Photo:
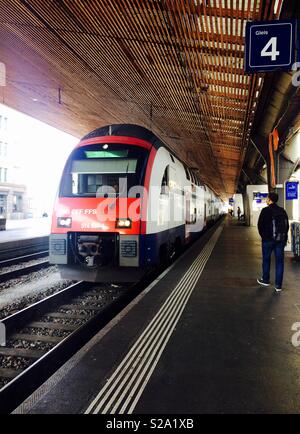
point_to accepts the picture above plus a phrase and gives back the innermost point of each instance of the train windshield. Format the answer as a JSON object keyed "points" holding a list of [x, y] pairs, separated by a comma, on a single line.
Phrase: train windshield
{"points": [[103, 170]]}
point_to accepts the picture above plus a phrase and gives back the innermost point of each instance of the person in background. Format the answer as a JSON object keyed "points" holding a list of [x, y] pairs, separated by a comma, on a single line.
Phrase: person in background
{"points": [[273, 226], [239, 213]]}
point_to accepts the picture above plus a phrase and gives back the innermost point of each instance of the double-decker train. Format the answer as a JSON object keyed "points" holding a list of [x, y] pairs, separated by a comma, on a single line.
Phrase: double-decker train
{"points": [[125, 204]]}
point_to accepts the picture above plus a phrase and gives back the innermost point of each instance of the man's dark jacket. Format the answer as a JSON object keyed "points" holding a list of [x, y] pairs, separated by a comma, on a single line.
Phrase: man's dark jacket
{"points": [[264, 224]]}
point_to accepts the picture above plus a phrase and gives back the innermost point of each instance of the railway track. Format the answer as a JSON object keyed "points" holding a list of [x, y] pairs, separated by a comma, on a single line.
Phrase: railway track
{"points": [[41, 337], [18, 259], [23, 270], [13, 251]]}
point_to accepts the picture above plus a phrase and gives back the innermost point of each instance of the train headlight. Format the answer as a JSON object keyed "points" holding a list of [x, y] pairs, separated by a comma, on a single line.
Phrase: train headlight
{"points": [[64, 222], [123, 223]]}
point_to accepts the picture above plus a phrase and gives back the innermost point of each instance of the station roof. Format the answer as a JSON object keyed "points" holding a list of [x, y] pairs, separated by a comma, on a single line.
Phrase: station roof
{"points": [[174, 66]]}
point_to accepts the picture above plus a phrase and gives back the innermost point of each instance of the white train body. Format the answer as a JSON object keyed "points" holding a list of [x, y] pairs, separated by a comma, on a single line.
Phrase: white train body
{"points": [[165, 206]]}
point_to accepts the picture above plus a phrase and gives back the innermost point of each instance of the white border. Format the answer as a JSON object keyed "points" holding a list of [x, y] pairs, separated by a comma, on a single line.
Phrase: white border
{"points": [[272, 65]]}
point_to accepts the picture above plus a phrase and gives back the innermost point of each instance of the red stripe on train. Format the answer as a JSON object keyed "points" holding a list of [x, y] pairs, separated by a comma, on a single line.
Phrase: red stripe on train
{"points": [[116, 139]]}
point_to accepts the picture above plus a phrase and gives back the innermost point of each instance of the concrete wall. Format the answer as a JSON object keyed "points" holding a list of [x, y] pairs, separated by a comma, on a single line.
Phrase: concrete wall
{"points": [[252, 208]]}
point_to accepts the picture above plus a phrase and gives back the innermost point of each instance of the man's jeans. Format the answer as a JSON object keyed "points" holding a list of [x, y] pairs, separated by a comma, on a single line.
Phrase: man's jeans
{"points": [[267, 249]]}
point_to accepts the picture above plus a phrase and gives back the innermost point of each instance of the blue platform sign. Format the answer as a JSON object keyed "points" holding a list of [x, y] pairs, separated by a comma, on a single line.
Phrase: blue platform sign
{"points": [[291, 190], [258, 195], [270, 45]]}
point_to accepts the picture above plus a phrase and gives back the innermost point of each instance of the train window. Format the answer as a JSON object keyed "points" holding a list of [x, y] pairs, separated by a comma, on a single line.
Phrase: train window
{"points": [[187, 173], [193, 177], [165, 182], [94, 172], [104, 166], [120, 153], [89, 176]]}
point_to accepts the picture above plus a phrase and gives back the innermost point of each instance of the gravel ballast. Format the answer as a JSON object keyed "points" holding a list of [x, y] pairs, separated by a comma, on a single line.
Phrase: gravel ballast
{"points": [[21, 265], [32, 288], [29, 289]]}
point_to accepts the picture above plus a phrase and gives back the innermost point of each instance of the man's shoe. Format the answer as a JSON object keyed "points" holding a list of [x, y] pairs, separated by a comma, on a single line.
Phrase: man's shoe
{"points": [[262, 283], [278, 289]]}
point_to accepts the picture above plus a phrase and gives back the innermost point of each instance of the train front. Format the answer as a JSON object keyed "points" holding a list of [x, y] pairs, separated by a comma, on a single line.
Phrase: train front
{"points": [[96, 222]]}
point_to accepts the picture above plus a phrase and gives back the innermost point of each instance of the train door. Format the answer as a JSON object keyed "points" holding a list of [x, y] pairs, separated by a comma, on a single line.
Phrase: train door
{"points": [[164, 201], [193, 210], [187, 198], [190, 210], [200, 208], [176, 205], [208, 206]]}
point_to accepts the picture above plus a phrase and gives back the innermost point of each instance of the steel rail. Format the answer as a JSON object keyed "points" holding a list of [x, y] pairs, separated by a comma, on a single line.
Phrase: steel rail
{"points": [[15, 254], [17, 390], [13, 274]]}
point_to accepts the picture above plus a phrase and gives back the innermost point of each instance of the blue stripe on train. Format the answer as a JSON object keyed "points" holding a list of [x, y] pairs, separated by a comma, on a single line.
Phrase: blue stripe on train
{"points": [[150, 244]]}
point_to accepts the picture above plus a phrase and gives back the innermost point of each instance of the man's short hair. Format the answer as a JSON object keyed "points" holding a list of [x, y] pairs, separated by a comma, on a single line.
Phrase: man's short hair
{"points": [[273, 197]]}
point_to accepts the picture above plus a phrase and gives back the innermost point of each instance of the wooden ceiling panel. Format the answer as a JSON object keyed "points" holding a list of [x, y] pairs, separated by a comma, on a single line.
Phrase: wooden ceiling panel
{"points": [[175, 66]]}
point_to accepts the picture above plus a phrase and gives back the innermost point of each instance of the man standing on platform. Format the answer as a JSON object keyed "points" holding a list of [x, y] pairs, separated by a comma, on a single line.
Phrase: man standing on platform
{"points": [[273, 226]]}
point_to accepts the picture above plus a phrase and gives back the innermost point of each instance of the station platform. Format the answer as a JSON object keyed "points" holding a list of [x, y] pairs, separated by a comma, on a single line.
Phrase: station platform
{"points": [[203, 338], [23, 229]]}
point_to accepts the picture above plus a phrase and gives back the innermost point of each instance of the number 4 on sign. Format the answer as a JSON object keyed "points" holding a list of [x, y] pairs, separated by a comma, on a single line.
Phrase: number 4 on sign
{"points": [[273, 53]]}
